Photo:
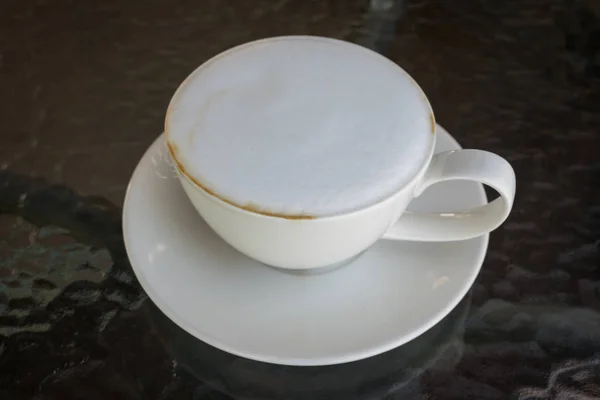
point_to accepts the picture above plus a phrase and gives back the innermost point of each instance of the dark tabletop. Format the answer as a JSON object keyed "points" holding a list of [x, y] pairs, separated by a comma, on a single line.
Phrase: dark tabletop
{"points": [[83, 90]]}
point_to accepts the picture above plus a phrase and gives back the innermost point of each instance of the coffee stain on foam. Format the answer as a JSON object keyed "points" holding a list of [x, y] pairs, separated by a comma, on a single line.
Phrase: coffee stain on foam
{"points": [[255, 208], [432, 119], [250, 207]]}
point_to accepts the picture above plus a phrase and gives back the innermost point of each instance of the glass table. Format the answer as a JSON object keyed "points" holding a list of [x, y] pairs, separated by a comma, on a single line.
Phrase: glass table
{"points": [[83, 89]]}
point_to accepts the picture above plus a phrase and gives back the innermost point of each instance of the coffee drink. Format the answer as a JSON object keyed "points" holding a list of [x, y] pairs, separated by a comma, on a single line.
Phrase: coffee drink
{"points": [[300, 127]]}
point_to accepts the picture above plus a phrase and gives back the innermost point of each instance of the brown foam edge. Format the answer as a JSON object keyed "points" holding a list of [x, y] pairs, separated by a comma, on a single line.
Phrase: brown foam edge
{"points": [[248, 207]]}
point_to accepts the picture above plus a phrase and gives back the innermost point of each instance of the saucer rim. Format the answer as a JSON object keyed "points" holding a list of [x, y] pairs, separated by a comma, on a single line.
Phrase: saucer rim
{"points": [[374, 350]]}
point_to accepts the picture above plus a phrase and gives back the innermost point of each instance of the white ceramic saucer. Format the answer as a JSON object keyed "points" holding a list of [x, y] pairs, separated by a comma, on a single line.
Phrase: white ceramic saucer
{"points": [[391, 294]]}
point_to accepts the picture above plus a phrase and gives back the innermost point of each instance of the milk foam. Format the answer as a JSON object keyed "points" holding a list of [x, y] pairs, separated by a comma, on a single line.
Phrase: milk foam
{"points": [[300, 126]]}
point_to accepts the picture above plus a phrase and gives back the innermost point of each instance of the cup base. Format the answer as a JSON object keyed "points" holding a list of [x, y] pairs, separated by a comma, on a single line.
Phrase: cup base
{"points": [[317, 270]]}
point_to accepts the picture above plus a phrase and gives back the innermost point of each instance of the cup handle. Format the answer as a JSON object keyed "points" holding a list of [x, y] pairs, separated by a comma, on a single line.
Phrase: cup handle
{"points": [[473, 165]]}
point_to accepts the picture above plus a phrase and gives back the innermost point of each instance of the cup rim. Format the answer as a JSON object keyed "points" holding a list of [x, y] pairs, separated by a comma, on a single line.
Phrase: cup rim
{"points": [[172, 148], [182, 173]]}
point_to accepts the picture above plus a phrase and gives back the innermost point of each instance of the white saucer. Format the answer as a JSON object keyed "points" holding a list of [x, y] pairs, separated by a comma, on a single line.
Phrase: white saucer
{"points": [[391, 294]]}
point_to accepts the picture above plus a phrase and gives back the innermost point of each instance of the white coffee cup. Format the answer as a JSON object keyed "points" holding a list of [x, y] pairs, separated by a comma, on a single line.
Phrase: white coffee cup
{"points": [[304, 242]]}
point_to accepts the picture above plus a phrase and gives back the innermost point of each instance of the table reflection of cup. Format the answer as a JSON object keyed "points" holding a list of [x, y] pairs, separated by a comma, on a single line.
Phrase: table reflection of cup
{"points": [[396, 371]]}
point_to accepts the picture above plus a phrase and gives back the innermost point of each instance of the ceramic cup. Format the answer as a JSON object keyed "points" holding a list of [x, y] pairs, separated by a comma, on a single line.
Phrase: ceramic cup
{"points": [[299, 243]]}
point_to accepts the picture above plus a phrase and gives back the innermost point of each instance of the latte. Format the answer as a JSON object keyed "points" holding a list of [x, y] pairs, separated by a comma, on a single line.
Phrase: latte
{"points": [[300, 127]]}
